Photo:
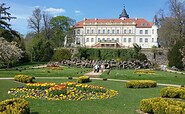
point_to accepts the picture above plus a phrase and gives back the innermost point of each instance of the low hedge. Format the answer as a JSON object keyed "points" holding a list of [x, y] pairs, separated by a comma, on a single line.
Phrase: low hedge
{"points": [[141, 84], [162, 106], [14, 106], [83, 79], [23, 78], [173, 92]]}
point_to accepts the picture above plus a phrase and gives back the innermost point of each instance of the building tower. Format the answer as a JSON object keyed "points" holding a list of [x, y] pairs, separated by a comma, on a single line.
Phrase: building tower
{"points": [[124, 14]]}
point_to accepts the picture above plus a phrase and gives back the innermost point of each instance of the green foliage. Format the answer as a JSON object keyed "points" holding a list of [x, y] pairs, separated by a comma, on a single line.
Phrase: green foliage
{"points": [[42, 50], [173, 92], [5, 29], [23, 78], [61, 54], [14, 106], [162, 106], [141, 84], [109, 54], [60, 26], [174, 55], [83, 79]]}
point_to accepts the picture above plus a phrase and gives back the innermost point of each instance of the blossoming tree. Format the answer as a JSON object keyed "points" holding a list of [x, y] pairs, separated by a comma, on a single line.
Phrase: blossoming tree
{"points": [[9, 52]]}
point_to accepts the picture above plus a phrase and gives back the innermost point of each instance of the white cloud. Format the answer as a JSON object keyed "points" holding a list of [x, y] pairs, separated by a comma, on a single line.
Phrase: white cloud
{"points": [[77, 11], [55, 10]]}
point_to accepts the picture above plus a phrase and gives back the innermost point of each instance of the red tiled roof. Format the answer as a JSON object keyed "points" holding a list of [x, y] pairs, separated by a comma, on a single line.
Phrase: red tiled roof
{"points": [[140, 22]]}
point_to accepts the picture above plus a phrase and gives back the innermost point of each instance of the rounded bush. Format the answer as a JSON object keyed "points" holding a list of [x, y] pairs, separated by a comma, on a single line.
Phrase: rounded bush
{"points": [[83, 79], [173, 92], [14, 106], [141, 84], [162, 106], [23, 78]]}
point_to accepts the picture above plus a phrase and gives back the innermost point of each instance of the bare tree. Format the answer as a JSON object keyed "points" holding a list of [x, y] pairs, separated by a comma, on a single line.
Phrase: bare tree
{"points": [[34, 22], [47, 26], [172, 28]]}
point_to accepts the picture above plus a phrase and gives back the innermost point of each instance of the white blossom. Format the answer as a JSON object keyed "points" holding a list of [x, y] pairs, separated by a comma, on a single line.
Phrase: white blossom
{"points": [[9, 52]]}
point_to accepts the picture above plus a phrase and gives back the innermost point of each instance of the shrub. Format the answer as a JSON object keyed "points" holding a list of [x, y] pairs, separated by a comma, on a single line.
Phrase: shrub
{"points": [[61, 54], [14, 106], [162, 106], [83, 79], [141, 84], [173, 92], [174, 55], [24, 78]]}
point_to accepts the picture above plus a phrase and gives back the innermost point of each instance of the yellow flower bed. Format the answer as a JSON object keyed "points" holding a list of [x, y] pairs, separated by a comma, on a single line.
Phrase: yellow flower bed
{"points": [[144, 72], [65, 91]]}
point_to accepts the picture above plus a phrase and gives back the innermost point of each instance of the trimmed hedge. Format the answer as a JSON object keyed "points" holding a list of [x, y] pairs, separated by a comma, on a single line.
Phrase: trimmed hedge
{"points": [[14, 106], [173, 92], [162, 106], [23, 78], [141, 84], [83, 79]]}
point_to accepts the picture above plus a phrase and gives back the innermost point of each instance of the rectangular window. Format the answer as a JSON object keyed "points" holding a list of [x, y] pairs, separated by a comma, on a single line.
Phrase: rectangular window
{"points": [[129, 40], [88, 31], [112, 31], [87, 40], [103, 39], [140, 39], [152, 39], [141, 31], [92, 31], [117, 39], [92, 39], [146, 40], [125, 40], [104, 31], [130, 31], [78, 31], [146, 31], [108, 31], [99, 31], [117, 31], [152, 31], [125, 31], [112, 39], [108, 39], [99, 40]]}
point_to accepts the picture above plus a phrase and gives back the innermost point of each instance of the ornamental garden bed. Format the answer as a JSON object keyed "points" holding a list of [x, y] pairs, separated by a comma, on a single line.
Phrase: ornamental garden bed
{"points": [[63, 91]]}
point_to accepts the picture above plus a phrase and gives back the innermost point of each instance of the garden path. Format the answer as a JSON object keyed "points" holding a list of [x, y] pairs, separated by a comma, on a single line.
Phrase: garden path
{"points": [[95, 78]]}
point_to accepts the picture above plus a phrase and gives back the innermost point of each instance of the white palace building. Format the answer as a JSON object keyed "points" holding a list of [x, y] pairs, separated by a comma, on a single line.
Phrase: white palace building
{"points": [[116, 33]]}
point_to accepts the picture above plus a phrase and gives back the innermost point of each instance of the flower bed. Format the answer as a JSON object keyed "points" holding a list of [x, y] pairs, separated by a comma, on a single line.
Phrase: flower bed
{"points": [[64, 91], [144, 72]]}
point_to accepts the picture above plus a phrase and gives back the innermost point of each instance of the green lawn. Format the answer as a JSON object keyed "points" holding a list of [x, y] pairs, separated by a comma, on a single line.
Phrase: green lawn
{"points": [[159, 76], [125, 103], [45, 72]]}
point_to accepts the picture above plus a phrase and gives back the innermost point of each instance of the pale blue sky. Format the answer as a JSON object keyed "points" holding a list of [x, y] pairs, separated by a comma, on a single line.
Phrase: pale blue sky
{"points": [[80, 9]]}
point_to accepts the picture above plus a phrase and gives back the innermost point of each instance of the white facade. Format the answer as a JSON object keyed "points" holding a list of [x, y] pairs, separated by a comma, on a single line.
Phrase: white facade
{"points": [[125, 32]]}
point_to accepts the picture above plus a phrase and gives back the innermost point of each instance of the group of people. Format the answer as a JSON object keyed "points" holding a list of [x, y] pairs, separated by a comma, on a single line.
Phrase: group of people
{"points": [[100, 68]]}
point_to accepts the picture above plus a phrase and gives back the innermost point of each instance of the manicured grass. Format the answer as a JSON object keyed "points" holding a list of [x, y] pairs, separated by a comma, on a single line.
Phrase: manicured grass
{"points": [[125, 103], [159, 76], [46, 72]]}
